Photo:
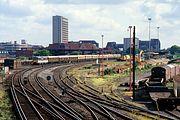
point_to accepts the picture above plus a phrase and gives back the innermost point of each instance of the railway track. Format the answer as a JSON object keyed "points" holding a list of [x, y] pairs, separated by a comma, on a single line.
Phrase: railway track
{"points": [[33, 101], [106, 111], [111, 102], [66, 98], [24, 105]]}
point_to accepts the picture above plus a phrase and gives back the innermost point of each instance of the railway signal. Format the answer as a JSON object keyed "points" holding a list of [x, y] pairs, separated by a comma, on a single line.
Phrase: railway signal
{"points": [[130, 78]]}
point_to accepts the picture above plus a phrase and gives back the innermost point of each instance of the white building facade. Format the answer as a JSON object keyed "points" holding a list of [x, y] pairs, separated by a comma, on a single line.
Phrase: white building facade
{"points": [[60, 29]]}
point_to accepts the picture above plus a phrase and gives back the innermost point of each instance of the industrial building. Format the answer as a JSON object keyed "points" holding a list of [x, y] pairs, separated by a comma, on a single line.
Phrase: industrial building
{"points": [[127, 43]]}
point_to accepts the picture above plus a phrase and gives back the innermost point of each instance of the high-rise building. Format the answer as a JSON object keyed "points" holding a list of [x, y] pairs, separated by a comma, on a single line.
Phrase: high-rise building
{"points": [[60, 29]]}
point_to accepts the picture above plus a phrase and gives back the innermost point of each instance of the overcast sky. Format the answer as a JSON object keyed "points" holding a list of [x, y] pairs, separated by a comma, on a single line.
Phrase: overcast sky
{"points": [[89, 19]]}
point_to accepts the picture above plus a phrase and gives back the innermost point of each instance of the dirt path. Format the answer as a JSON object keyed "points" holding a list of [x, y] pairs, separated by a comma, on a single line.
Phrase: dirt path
{"points": [[137, 77]]}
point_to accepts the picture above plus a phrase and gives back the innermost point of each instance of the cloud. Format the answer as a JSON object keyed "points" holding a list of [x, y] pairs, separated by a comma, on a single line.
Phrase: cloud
{"points": [[86, 1], [10, 10], [167, 1], [89, 19], [174, 14]]}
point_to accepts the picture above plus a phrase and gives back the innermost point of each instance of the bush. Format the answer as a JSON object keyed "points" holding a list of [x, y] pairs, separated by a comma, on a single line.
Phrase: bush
{"points": [[87, 67], [109, 71], [147, 66]]}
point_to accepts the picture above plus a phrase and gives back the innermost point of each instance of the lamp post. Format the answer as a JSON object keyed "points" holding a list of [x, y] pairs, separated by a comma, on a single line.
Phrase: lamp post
{"points": [[130, 78], [149, 19], [102, 58], [99, 71], [158, 32], [158, 46]]}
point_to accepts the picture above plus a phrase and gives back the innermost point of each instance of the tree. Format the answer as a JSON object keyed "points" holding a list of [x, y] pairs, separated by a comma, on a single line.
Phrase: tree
{"points": [[22, 58], [174, 49], [42, 53], [75, 53]]}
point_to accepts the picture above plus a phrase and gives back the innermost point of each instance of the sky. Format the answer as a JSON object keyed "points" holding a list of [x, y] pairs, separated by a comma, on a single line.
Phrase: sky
{"points": [[89, 19]]}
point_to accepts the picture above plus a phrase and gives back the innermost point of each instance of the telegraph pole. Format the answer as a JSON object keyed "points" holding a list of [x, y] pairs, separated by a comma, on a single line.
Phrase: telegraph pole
{"points": [[134, 67]]}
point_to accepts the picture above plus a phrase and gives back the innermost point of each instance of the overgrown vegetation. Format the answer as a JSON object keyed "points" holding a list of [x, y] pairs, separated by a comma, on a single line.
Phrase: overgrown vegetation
{"points": [[109, 71], [89, 72], [5, 107], [177, 55], [87, 67]]}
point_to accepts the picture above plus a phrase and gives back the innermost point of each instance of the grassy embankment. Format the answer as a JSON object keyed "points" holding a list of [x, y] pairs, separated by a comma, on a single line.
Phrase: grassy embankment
{"points": [[5, 107]]}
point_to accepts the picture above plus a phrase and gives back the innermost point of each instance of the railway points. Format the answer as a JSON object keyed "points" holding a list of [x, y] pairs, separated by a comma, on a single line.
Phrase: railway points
{"points": [[73, 95]]}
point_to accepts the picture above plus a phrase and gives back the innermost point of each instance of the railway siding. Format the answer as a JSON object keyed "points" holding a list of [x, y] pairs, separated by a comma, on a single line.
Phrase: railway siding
{"points": [[66, 97]]}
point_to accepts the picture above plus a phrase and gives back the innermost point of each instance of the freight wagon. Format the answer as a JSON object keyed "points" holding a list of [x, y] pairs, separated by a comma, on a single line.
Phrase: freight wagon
{"points": [[158, 90]]}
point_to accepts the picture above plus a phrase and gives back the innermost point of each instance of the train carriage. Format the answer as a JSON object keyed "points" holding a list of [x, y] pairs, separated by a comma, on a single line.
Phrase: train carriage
{"points": [[81, 58], [53, 59], [73, 58], [118, 55], [105, 57], [177, 69], [70, 58], [94, 57], [167, 72], [40, 60], [172, 71], [64, 59], [111, 56], [88, 57]]}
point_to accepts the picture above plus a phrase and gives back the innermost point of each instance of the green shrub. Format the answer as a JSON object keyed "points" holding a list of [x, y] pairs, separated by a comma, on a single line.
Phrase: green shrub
{"points": [[109, 71], [87, 67], [147, 66], [5, 107]]}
